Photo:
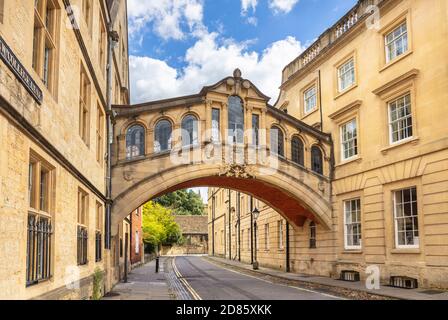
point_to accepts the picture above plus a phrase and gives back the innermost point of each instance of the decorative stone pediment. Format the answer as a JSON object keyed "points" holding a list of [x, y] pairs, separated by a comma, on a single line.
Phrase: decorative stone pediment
{"points": [[236, 85]]}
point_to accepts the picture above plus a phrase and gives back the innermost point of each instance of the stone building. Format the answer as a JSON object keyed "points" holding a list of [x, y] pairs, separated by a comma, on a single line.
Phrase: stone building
{"points": [[53, 122], [379, 85], [194, 234]]}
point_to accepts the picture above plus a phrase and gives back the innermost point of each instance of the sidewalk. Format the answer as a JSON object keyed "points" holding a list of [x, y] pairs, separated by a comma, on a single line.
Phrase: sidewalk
{"points": [[326, 283], [143, 284]]}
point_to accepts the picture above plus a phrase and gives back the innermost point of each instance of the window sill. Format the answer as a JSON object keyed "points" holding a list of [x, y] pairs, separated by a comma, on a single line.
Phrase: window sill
{"points": [[309, 113], [340, 94], [352, 251], [396, 60], [38, 282], [413, 141], [347, 161], [405, 251]]}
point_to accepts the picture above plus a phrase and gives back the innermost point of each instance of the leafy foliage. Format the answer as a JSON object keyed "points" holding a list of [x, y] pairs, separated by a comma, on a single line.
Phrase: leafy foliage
{"points": [[183, 202], [159, 226], [97, 284]]}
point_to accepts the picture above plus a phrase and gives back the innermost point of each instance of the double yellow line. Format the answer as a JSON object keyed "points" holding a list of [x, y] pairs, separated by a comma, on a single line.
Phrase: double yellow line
{"points": [[193, 293]]}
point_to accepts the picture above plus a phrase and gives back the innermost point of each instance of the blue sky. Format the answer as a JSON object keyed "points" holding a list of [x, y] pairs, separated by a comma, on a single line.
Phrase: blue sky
{"points": [[306, 21], [179, 46]]}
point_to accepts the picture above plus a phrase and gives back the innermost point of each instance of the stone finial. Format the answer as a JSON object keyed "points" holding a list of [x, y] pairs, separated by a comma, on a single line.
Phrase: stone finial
{"points": [[237, 73]]}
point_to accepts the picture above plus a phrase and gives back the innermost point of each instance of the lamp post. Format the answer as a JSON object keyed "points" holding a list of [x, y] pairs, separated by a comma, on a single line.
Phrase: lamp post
{"points": [[233, 215], [255, 215]]}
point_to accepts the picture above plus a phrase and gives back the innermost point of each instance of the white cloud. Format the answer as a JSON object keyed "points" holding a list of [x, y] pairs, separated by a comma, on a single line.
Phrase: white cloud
{"points": [[168, 17], [252, 20], [247, 5], [282, 6], [208, 61]]}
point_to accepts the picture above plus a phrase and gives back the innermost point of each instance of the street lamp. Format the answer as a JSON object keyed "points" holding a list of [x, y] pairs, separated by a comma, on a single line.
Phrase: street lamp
{"points": [[255, 214]]}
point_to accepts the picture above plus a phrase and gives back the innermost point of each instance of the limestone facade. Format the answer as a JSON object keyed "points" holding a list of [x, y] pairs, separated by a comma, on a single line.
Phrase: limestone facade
{"points": [[386, 76], [52, 159]]}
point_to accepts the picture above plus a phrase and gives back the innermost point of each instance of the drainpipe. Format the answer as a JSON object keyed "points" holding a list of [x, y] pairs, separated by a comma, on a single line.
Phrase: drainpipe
{"points": [[251, 230], [288, 268], [213, 224], [230, 225], [239, 226], [112, 40], [320, 104]]}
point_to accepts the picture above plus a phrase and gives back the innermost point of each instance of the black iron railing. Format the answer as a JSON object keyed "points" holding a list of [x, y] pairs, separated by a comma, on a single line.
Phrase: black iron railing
{"points": [[82, 245], [38, 260], [98, 246]]}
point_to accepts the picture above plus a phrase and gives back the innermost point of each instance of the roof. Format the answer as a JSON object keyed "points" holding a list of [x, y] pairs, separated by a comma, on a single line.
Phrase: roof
{"points": [[192, 224]]}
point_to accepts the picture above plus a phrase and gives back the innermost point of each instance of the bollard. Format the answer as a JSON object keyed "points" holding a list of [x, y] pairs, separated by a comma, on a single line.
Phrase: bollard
{"points": [[157, 264]]}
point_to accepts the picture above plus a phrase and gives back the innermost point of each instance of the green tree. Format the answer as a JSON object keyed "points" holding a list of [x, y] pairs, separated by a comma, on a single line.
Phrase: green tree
{"points": [[183, 202], [159, 226]]}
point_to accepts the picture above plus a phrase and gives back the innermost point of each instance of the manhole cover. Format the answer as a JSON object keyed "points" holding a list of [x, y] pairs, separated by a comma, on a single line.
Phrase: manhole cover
{"points": [[432, 292]]}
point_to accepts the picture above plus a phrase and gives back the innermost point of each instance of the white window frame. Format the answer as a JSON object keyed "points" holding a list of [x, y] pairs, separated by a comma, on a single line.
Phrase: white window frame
{"points": [[346, 71], [395, 39], [353, 139], [346, 224], [391, 123], [310, 98], [416, 244]]}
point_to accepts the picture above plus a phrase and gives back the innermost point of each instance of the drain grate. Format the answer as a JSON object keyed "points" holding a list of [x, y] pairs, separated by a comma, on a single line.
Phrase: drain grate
{"points": [[403, 282], [350, 275]]}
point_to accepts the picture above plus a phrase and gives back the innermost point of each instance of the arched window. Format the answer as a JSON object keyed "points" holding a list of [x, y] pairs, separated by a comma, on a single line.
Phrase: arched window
{"points": [[190, 131], [236, 120], [135, 141], [297, 151], [316, 160], [312, 235], [162, 136], [277, 141]]}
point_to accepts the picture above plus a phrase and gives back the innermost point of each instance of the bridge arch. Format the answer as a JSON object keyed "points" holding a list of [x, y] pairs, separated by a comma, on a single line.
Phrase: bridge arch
{"points": [[294, 190], [295, 198]]}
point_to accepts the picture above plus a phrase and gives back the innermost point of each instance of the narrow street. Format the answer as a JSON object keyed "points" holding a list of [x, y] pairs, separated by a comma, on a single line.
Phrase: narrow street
{"points": [[208, 281], [194, 278]]}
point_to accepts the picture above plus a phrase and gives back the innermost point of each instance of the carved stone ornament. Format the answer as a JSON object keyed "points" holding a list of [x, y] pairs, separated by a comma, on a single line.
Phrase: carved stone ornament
{"points": [[236, 171], [128, 175]]}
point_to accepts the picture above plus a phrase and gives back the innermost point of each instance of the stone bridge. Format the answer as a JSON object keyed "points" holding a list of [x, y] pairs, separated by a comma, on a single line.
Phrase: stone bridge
{"points": [[226, 136]]}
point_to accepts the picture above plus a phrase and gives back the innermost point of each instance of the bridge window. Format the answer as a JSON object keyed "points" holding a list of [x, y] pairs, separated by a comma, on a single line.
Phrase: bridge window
{"points": [[216, 124], [277, 141], [190, 131], [162, 136], [297, 151], [236, 120], [316, 160], [135, 142], [312, 235], [255, 130]]}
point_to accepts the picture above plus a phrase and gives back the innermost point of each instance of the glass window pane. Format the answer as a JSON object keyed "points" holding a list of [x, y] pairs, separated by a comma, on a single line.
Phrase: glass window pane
{"points": [[163, 136], [236, 120], [216, 125]]}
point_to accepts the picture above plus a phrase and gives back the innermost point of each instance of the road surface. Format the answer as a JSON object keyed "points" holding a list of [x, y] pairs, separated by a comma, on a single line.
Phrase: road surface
{"points": [[207, 281]]}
